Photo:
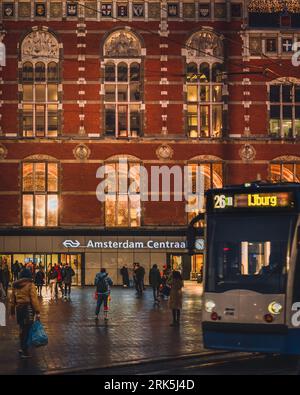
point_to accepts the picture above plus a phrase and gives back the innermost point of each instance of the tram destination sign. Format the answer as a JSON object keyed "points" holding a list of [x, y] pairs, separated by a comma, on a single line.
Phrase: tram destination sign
{"points": [[268, 201]]}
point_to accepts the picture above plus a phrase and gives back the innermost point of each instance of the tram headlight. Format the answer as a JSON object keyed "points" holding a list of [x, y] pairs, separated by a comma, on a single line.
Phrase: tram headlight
{"points": [[275, 308], [209, 306]]}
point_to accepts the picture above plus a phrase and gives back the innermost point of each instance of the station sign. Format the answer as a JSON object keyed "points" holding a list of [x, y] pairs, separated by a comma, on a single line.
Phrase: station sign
{"points": [[126, 245]]}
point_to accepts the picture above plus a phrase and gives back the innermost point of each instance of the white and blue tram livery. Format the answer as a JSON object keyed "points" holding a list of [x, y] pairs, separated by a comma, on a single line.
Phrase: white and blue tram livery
{"points": [[251, 298]]}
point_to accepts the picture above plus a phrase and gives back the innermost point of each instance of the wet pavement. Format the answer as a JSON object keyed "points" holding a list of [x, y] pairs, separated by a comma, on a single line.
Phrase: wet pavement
{"points": [[137, 331]]}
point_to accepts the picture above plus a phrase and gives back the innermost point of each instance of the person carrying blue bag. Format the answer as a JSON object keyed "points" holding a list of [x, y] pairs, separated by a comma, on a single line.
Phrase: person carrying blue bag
{"points": [[25, 304]]}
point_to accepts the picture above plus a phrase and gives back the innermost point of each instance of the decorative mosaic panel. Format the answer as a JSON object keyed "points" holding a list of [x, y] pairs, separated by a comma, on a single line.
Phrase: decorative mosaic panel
{"points": [[122, 10], [91, 11], [40, 10], [204, 10], [55, 10], [220, 10], [236, 10], [72, 10], [255, 45], [189, 10], [173, 10], [106, 10], [138, 10], [8, 10], [154, 10], [24, 10]]}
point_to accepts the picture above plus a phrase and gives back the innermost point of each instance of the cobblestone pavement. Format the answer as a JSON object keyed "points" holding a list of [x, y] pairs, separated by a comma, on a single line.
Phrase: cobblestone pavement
{"points": [[137, 330]]}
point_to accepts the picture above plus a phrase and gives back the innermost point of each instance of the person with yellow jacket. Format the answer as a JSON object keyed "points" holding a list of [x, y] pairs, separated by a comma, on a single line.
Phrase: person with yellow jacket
{"points": [[25, 303]]}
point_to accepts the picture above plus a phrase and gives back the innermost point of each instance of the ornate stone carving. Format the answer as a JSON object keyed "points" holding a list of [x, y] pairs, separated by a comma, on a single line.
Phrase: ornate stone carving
{"points": [[247, 152], [205, 158], [287, 159], [165, 152], [205, 43], [40, 157], [122, 44], [40, 44], [3, 152], [82, 152]]}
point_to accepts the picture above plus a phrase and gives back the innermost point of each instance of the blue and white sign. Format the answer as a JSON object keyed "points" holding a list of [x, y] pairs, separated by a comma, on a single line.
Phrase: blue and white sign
{"points": [[126, 245]]}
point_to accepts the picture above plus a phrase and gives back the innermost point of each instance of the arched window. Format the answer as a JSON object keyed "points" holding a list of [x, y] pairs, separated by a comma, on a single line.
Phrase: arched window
{"points": [[203, 176], [122, 82], [40, 79], [123, 195], [284, 102], [40, 194], [204, 68], [285, 170]]}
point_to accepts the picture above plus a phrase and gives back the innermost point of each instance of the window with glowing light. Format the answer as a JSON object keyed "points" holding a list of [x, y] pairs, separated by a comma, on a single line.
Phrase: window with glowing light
{"points": [[123, 200], [203, 176], [40, 202], [285, 172], [284, 101], [39, 79], [123, 97], [204, 100]]}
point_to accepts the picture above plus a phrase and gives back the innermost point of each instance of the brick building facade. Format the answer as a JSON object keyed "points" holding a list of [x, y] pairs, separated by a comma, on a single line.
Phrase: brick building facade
{"points": [[189, 83]]}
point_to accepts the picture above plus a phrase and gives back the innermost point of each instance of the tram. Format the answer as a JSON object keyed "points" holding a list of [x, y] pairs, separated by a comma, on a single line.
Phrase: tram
{"points": [[251, 299]]}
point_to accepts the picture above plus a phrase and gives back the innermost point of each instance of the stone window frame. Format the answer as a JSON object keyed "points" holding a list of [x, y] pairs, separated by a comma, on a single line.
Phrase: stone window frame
{"points": [[46, 60]]}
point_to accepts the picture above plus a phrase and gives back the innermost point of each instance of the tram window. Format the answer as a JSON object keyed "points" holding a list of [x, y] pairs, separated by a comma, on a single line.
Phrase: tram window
{"points": [[248, 254]]}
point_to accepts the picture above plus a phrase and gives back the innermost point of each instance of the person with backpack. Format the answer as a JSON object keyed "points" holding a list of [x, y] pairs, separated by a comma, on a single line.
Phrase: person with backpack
{"points": [[103, 283], [67, 275]]}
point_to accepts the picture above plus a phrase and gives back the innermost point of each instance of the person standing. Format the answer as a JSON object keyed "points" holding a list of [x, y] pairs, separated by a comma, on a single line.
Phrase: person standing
{"points": [[52, 280], [59, 281], [15, 270], [67, 275], [155, 282], [5, 277], [175, 302], [39, 280], [139, 274], [24, 303], [2, 292], [103, 283], [125, 276]]}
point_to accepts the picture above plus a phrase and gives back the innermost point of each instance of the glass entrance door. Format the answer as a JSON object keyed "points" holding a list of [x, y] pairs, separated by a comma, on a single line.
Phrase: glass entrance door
{"points": [[73, 260]]}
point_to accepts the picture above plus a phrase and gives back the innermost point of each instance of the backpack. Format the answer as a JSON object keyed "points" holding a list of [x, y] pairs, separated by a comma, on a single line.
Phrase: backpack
{"points": [[102, 286]]}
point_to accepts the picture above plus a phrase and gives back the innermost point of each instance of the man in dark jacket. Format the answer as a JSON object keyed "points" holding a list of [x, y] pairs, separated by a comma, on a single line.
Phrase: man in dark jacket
{"points": [[125, 276], [15, 270], [5, 277], [67, 274], [140, 274], [103, 283], [155, 282]]}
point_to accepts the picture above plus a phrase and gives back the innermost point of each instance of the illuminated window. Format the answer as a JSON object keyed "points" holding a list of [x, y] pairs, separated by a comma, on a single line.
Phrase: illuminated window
{"points": [[284, 102], [123, 209], [204, 100], [203, 176], [285, 172], [122, 84], [40, 80], [40, 194]]}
